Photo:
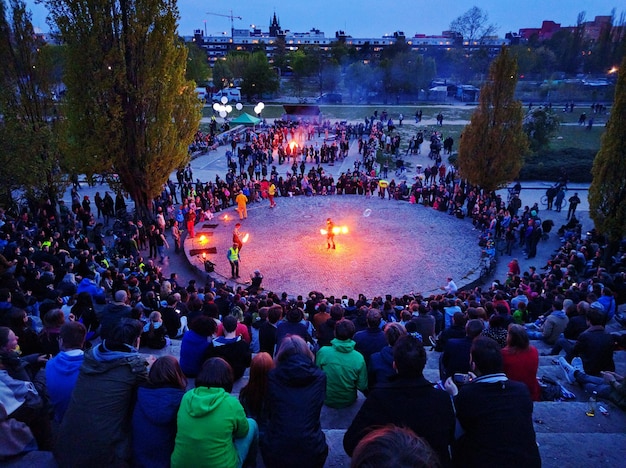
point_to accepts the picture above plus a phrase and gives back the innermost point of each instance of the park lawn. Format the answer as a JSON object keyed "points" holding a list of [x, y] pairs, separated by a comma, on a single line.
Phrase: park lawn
{"points": [[455, 111], [575, 136]]}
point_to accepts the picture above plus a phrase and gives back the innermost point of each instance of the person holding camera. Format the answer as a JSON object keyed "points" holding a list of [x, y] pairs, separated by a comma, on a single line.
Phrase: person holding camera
{"points": [[494, 413], [408, 400]]}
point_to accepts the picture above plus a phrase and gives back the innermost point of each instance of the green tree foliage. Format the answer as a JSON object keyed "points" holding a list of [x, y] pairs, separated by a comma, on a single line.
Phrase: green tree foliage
{"points": [[407, 72], [130, 109], [362, 79], [493, 145], [29, 150], [198, 69], [222, 76], [568, 46], [607, 193], [540, 124], [259, 77]]}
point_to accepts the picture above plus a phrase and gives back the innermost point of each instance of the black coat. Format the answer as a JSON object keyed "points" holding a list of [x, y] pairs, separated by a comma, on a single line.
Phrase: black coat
{"points": [[407, 402], [235, 351], [498, 425], [267, 338], [294, 437], [455, 357], [595, 348]]}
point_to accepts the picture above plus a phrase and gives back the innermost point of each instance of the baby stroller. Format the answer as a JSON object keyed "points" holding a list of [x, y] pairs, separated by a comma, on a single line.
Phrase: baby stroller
{"points": [[546, 227]]}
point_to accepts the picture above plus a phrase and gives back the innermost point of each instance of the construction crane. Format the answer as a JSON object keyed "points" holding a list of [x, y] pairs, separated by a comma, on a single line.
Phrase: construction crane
{"points": [[232, 20]]}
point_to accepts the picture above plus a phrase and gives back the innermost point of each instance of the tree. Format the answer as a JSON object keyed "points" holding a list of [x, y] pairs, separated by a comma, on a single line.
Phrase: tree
{"points": [[473, 25], [259, 77], [540, 124], [607, 193], [130, 110], [494, 143], [198, 69], [222, 76], [29, 127]]}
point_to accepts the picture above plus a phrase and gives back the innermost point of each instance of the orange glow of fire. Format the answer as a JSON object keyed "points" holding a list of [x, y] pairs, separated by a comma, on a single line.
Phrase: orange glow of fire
{"points": [[336, 230], [245, 238], [202, 239], [225, 217], [292, 145], [203, 255]]}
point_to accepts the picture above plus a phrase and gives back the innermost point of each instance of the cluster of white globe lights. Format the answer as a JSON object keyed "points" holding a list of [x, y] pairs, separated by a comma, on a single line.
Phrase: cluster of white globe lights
{"points": [[223, 108]]}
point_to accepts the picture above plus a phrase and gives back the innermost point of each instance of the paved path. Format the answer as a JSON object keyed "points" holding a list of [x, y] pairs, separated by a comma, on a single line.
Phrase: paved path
{"points": [[398, 249]]}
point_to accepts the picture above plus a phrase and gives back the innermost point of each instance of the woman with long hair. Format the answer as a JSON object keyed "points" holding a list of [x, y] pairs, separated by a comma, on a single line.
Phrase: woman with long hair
{"points": [[83, 311], [521, 360], [253, 397], [154, 416], [297, 390]]}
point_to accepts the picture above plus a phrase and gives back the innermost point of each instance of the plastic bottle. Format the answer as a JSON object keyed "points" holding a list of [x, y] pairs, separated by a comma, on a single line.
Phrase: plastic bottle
{"points": [[591, 410]]}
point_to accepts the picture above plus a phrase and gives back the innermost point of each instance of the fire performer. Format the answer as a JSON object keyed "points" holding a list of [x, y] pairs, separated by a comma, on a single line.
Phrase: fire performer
{"points": [[330, 235], [237, 236]]}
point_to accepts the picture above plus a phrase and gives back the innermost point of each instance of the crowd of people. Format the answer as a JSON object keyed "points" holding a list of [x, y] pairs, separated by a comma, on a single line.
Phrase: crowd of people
{"points": [[73, 315]]}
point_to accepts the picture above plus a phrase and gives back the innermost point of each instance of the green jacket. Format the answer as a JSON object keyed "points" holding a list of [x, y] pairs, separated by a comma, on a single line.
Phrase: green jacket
{"points": [[208, 420], [345, 372]]}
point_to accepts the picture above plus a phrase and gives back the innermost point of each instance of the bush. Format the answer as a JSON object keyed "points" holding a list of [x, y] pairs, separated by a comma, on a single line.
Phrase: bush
{"points": [[549, 165]]}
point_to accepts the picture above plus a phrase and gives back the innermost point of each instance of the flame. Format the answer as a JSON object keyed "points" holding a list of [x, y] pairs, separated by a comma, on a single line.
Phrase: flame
{"points": [[245, 238], [225, 217], [202, 239], [203, 255], [336, 230]]}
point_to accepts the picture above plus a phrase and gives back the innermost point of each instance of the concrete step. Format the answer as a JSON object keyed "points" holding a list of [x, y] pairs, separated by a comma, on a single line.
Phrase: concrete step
{"points": [[575, 449], [569, 416]]}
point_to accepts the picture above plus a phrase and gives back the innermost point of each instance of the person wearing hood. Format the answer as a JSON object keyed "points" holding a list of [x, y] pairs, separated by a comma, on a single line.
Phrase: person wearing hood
{"points": [[344, 367], [154, 416], [96, 428], [213, 430], [408, 400], [88, 284], [62, 370], [552, 327], [381, 368], [297, 390]]}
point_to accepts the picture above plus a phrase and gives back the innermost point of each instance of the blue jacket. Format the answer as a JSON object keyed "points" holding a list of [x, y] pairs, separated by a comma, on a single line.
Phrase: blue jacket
{"points": [[61, 374], [381, 367], [192, 351], [154, 425], [88, 285]]}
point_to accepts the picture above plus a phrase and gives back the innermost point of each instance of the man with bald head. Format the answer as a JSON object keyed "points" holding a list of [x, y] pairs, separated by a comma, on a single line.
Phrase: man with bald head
{"points": [[114, 312]]}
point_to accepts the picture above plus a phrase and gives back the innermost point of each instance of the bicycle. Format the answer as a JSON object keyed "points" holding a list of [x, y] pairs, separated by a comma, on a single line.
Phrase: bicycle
{"points": [[544, 199]]}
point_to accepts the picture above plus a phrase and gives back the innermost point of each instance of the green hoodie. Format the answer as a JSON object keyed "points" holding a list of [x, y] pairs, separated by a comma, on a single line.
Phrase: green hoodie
{"points": [[208, 420], [345, 372]]}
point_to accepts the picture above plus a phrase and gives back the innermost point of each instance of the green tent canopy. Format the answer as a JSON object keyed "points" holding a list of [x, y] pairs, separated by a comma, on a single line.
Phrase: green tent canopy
{"points": [[246, 119]]}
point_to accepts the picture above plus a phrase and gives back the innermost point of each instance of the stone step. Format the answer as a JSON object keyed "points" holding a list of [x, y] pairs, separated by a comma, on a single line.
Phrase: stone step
{"points": [[569, 416], [575, 449]]}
